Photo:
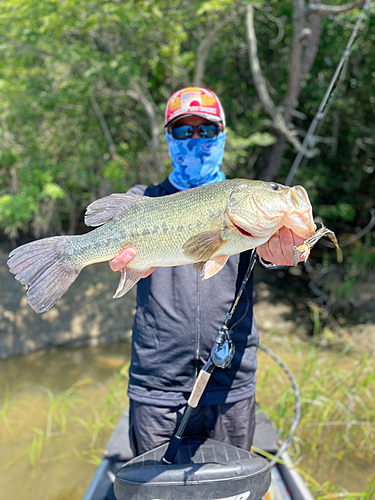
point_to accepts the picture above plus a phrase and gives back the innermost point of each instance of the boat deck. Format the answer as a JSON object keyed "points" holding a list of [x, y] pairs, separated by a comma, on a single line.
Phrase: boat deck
{"points": [[287, 484]]}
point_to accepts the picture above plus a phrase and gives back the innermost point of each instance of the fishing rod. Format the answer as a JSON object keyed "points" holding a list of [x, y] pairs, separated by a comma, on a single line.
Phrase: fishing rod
{"points": [[221, 356], [319, 114]]}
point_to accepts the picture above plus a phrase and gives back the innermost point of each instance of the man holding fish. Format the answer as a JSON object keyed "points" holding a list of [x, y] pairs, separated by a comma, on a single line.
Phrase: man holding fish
{"points": [[178, 315], [194, 217]]}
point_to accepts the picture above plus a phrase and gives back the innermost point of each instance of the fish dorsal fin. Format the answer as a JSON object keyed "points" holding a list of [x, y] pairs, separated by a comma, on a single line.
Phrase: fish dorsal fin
{"points": [[105, 209], [203, 245]]}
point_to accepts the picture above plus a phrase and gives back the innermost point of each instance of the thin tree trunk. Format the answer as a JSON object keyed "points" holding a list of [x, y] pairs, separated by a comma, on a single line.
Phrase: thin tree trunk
{"points": [[138, 94], [273, 159], [204, 50]]}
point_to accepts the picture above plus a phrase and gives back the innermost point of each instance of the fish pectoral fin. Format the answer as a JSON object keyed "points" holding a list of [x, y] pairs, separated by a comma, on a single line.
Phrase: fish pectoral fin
{"points": [[214, 265], [105, 209], [129, 277], [202, 246]]}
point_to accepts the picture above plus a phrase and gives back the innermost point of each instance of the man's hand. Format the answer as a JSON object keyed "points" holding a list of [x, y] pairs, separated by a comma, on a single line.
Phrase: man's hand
{"points": [[278, 249], [124, 258]]}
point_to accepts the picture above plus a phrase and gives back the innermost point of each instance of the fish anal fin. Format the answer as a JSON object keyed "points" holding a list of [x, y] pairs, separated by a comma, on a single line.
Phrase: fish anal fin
{"points": [[105, 209], [214, 265], [202, 246], [129, 277]]}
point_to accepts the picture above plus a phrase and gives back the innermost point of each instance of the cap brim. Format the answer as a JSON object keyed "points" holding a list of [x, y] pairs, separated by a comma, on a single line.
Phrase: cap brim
{"points": [[206, 116]]}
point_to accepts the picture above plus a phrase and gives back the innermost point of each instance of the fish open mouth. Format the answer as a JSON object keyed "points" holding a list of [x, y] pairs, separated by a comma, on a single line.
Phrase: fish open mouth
{"points": [[241, 230]]}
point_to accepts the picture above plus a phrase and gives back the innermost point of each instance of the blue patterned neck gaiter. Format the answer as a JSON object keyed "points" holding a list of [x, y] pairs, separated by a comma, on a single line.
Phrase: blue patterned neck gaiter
{"points": [[196, 162]]}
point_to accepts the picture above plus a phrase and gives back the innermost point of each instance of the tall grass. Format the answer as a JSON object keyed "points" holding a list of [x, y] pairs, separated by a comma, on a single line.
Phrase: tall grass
{"points": [[65, 414], [338, 413]]}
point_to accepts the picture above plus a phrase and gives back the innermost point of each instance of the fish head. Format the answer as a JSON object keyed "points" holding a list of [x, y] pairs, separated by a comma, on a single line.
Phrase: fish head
{"points": [[258, 209], [299, 217]]}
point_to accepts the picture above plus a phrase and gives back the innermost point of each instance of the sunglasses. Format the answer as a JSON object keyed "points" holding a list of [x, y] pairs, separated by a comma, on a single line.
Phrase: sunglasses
{"points": [[206, 131]]}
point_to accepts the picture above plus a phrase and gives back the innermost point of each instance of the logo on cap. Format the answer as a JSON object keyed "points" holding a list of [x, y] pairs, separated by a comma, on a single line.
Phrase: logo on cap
{"points": [[195, 101]]}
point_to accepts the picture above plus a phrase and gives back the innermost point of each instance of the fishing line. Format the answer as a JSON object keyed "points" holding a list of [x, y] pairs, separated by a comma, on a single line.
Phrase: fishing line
{"points": [[297, 396], [247, 308], [302, 151]]}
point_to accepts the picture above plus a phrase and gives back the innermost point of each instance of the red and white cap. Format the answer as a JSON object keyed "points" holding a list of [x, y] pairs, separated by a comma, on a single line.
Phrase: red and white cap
{"points": [[194, 101]]}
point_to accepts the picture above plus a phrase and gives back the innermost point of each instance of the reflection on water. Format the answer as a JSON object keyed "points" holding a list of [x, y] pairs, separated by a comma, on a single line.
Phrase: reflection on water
{"points": [[347, 475], [58, 407], [60, 367]]}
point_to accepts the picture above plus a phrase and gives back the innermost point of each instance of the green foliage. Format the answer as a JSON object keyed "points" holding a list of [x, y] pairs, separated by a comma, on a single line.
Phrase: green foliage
{"points": [[241, 153], [341, 211], [360, 260], [213, 6], [56, 57]]}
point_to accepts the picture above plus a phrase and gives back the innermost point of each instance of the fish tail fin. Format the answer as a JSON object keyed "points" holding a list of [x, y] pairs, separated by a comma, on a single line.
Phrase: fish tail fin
{"points": [[44, 268]]}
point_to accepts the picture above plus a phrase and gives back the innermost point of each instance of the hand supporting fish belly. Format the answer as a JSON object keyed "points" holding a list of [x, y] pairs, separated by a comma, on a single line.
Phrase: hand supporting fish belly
{"points": [[202, 226]]}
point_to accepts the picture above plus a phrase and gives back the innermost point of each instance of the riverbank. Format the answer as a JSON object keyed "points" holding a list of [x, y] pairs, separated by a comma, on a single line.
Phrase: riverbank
{"points": [[86, 314]]}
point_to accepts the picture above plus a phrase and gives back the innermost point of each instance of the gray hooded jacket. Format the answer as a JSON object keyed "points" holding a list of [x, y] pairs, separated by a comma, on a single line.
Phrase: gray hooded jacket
{"points": [[176, 322]]}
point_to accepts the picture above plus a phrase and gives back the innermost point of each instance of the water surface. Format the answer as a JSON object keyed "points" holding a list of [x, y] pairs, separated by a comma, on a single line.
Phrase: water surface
{"points": [[55, 413]]}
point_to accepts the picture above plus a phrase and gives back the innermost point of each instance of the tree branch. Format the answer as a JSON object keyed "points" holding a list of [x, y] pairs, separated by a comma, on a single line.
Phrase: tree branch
{"points": [[280, 26], [299, 32], [311, 49], [260, 83], [204, 50], [259, 80], [138, 94], [25, 46], [328, 10], [103, 124]]}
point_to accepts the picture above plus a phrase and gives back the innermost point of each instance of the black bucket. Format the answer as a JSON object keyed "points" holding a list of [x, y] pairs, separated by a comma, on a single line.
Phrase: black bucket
{"points": [[203, 469]]}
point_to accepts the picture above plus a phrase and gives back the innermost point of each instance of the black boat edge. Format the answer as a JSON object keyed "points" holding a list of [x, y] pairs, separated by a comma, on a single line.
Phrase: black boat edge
{"points": [[286, 482]]}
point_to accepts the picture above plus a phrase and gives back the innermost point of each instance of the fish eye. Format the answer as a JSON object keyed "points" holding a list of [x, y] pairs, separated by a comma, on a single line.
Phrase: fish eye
{"points": [[274, 186]]}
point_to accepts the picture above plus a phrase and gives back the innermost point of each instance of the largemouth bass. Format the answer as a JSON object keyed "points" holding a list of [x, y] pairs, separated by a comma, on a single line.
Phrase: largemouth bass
{"points": [[201, 226]]}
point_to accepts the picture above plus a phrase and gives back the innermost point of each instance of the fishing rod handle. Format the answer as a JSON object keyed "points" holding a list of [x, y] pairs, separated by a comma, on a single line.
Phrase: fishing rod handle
{"points": [[199, 388], [174, 443], [172, 449]]}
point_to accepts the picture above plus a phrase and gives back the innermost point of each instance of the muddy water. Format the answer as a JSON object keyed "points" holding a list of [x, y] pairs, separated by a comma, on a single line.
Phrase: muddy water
{"points": [[52, 434], [41, 457]]}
